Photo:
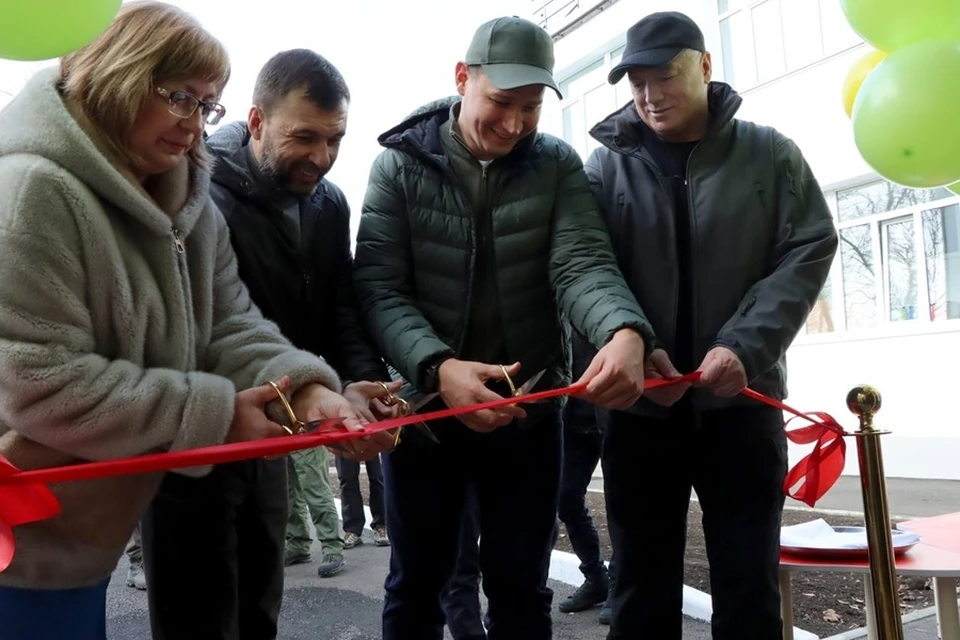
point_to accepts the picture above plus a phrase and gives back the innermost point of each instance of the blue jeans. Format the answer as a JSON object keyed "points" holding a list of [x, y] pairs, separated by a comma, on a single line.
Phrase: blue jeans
{"points": [[57, 614]]}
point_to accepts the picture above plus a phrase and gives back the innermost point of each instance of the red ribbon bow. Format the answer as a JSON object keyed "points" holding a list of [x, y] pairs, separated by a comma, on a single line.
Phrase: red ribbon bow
{"points": [[25, 498]]}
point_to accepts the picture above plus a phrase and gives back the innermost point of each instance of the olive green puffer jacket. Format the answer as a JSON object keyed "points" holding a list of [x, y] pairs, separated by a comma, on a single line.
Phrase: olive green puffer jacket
{"points": [[416, 248]]}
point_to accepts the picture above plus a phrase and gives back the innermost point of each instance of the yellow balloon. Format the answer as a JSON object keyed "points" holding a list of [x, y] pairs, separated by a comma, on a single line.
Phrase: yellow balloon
{"points": [[856, 75]]}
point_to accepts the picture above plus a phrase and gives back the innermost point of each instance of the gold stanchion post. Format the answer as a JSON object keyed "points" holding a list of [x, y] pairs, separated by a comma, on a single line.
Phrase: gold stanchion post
{"points": [[864, 401]]}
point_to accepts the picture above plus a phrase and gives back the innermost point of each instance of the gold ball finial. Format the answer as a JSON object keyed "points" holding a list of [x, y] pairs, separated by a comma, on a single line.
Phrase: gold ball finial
{"points": [[863, 401]]}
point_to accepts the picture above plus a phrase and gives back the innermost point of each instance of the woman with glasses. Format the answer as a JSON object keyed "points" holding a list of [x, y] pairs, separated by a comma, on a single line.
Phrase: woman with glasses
{"points": [[124, 328]]}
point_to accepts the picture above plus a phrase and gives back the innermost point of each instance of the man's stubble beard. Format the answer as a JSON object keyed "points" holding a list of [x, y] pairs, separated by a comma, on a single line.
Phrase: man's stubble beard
{"points": [[279, 176]]}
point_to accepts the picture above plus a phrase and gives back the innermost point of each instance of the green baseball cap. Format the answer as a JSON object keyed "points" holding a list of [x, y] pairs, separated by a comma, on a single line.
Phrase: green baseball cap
{"points": [[513, 52]]}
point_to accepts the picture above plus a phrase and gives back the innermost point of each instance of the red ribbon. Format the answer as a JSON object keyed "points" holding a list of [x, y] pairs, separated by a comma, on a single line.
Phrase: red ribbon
{"points": [[811, 478], [25, 498]]}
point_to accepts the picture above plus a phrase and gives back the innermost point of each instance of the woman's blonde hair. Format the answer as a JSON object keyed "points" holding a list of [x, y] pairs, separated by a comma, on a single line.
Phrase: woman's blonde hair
{"points": [[147, 42]]}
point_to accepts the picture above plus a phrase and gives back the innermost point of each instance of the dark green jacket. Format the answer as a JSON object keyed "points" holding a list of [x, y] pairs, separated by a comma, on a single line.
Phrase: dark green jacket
{"points": [[416, 249]]}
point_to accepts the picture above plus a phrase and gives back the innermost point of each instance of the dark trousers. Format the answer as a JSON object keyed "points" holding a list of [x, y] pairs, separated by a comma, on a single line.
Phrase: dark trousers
{"points": [[461, 598], [351, 500], [213, 553], [736, 460], [516, 474], [54, 614], [581, 453]]}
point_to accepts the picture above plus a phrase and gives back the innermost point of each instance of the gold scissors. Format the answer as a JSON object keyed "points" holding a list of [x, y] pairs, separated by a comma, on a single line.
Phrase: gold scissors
{"points": [[526, 387], [408, 408], [298, 426]]}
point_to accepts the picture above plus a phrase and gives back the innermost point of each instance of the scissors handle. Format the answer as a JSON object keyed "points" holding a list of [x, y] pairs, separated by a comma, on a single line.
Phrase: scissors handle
{"points": [[513, 389], [291, 415], [390, 400]]}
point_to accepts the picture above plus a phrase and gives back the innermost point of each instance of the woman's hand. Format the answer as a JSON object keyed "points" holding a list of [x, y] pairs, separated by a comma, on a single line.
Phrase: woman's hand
{"points": [[250, 421], [317, 402]]}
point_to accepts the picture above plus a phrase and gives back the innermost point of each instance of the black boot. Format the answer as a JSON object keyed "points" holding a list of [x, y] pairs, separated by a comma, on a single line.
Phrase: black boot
{"points": [[592, 592], [606, 612]]}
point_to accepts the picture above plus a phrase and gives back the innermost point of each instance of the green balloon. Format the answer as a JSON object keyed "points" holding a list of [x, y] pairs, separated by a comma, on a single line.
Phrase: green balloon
{"points": [[891, 24], [904, 117], [45, 29]]}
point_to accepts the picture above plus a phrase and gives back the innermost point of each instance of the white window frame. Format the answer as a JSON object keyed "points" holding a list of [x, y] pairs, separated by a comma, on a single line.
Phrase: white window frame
{"points": [[885, 328], [606, 55], [747, 7]]}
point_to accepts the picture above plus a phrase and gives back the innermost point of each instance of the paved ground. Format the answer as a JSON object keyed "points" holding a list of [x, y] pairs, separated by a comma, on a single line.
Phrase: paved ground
{"points": [[905, 496], [347, 607]]}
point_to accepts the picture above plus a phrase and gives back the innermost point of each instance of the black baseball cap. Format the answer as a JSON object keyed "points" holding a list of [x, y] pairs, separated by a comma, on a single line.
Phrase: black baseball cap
{"points": [[656, 40], [513, 52]]}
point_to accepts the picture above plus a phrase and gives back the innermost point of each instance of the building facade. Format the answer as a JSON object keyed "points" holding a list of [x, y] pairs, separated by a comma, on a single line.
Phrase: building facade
{"points": [[889, 315]]}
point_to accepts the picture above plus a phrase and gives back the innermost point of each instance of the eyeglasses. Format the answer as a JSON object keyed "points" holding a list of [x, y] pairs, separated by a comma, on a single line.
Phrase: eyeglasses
{"points": [[184, 105]]}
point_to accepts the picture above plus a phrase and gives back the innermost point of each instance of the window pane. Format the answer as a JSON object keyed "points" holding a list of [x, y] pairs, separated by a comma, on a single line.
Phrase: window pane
{"points": [[739, 68], [597, 105], [574, 129], [585, 80], [768, 41], [859, 285], [881, 197], [820, 319], [801, 33], [863, 201], [837, 32], [730, 5], [941, 246], [901, 269]]}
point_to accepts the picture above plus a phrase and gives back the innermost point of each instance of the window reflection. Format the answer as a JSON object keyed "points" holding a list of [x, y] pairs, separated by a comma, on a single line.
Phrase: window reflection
{"points": [[820, 319], [941, 248], [859, 283], [901, 269], [881, 197]]}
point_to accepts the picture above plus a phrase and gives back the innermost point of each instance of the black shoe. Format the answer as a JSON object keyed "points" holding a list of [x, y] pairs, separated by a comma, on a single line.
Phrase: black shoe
{"points": [[592, 592], [606, 612]]}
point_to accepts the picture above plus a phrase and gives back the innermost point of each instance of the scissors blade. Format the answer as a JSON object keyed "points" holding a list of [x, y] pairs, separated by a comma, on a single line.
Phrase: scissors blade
{"points": [[417, 401], [528, 386], [317, 425]]}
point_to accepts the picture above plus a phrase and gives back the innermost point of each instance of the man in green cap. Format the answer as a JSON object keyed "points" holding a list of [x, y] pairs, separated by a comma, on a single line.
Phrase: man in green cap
{"points": [[478, 238]]}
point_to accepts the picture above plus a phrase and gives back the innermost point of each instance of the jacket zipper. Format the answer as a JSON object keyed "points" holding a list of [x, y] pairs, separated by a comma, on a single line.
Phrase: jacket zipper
{"points": [[691, 235], [464, 192], [482, 243], [692, 231], [673, 210], [483, 214], [177, 241], [185, 285]]}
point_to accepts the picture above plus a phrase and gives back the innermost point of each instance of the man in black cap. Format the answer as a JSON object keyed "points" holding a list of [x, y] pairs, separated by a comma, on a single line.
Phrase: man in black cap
{"points": [[477, 233], [736, 208]]}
